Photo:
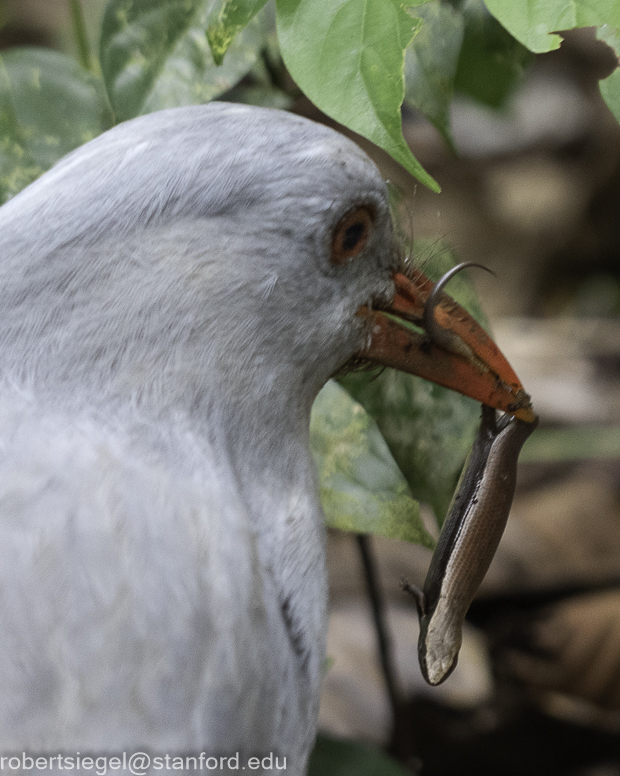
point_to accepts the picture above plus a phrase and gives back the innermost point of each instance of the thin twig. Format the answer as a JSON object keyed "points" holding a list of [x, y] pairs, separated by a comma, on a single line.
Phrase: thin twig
{"points": [[378, 614], [81, 36]]}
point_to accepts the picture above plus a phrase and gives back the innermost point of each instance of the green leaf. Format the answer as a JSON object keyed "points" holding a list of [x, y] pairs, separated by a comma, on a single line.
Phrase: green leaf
{"points": [[155, 54], [225, 20], [362, 488], [428, 429], [532, 22], [610, 89], [430, 64], [491, 61], [347, 56], [610, 86], [49, 105], [335, 757]]}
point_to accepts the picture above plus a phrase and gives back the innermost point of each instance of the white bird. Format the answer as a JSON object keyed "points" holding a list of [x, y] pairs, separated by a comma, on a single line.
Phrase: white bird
{"points": [[173, 295]]}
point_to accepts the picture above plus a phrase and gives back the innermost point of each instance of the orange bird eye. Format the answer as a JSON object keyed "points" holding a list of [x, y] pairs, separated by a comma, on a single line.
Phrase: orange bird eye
{"points": [[351, 234]]}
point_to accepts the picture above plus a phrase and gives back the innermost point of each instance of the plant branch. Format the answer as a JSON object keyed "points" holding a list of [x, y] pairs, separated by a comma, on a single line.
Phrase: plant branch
{"points": [[81, 36], [380, 621]]}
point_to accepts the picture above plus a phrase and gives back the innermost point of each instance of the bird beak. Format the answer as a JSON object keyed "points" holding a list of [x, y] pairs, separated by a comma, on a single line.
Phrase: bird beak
{"points": [[457, 353]]}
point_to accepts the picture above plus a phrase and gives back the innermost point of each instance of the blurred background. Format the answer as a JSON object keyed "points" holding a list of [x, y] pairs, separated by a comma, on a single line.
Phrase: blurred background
{"points": [[533, 193]]}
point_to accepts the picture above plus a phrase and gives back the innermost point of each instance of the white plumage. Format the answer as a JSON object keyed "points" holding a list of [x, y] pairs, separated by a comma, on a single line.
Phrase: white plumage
{"points": [[168, 313]]}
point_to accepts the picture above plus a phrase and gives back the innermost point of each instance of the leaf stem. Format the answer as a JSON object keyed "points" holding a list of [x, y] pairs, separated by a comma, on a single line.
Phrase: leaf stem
{"points": [[81, 36]]}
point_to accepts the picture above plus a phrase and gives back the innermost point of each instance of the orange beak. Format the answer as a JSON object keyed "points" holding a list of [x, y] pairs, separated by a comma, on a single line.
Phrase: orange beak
{"points": [[459, 354]]}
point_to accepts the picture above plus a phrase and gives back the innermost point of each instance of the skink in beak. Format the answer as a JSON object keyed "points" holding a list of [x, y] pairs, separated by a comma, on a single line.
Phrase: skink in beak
{"points": [[453, 350]]}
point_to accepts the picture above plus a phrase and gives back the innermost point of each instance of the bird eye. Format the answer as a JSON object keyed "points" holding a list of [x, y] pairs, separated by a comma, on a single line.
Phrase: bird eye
{"points": [[351, 233]]}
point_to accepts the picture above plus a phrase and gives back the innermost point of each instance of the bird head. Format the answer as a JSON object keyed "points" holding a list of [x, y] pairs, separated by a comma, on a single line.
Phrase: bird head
{"points": [[229, 246]]}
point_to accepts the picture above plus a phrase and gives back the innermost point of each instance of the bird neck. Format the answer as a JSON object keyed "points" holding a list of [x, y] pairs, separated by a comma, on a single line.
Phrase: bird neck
{"points": [[269, 453], [268, 448]]}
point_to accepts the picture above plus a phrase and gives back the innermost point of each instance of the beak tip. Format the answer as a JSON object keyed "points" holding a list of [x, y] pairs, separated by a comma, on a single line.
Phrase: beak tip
{"points": [[521, 407], [526, 414]]}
